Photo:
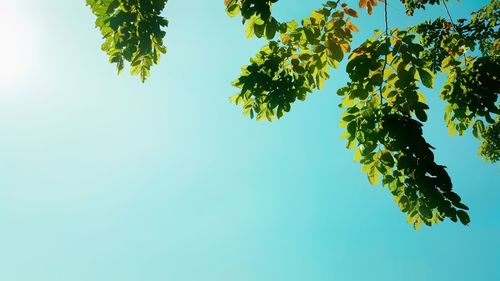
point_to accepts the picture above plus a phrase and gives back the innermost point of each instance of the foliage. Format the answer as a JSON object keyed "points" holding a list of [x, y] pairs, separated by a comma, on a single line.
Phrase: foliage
{"points": [[380, 126], [132, 32], [467, 52], [290, 68], [490, 148], [257, 16], [384, 101], [412, 5]]}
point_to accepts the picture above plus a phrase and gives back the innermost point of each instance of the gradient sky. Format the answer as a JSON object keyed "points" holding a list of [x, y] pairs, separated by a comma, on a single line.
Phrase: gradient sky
{"points": [[105, 178]]}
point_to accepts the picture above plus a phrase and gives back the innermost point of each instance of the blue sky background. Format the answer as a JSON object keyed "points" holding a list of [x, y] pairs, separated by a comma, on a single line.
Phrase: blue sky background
{"points": [[105, 178]]}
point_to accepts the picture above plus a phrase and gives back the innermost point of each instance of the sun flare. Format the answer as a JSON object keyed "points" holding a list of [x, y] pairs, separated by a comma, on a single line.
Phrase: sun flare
{"points": [[14, 44]]}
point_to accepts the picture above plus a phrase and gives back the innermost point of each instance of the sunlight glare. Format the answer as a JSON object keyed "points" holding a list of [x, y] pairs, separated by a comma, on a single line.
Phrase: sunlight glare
{"points": [[15, 44]]}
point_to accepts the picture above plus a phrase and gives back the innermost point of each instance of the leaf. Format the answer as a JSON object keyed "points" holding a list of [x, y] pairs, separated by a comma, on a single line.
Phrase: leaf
{"points": [[259, 29], [421, 115], [426, 77], [451, 129], [461, 206], [463, 217], [373, 175], [387, 159], [351, 26], [351, 12], [232, 7], [305, 56], [345, 47], [478, 129], [135, 70], [331, 4], [452, 196], [234, 98], [357, 155], [320, 82], [417, 224], [249, 29], [271, 29], [336, 52]]}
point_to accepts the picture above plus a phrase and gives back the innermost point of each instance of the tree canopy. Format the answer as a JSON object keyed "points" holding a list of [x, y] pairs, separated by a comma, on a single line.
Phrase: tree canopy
{"points": [[384, 101]]}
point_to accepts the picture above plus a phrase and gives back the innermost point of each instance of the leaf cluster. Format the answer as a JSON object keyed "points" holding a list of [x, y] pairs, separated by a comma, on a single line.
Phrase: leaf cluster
{"points": [[290, 68], [412, 5], [257, 16], [132, 32], [388, 141], [468, 52]]}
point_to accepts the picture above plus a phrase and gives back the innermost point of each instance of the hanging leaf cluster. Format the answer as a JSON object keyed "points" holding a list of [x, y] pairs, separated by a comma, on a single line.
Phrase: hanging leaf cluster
{"points": [[132, 31], [384, 110]]}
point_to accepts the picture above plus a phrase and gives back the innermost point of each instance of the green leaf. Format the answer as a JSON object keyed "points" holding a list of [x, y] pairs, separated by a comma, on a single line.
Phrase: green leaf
{"points": [[357, 155], [233, 8], [271, 29], [478, 129], [336, 52], [250, 29], [463, 217], [373, 175], [421, 115], [426, 76], [387, 159]]}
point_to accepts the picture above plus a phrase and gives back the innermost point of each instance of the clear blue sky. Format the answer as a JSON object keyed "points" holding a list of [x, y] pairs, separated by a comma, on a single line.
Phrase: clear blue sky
{"points": [[104, 178]]}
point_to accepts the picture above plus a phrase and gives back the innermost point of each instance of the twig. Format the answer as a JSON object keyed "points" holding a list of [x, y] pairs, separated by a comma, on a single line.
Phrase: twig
{"points": [[456, 30], [385, 59], [449, 15]]}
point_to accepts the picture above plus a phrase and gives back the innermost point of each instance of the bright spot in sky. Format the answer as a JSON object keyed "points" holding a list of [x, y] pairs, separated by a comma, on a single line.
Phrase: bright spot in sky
{"points": [[15, 44]]}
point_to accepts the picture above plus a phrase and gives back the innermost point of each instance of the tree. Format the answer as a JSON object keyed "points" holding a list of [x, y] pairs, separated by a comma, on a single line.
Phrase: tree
{"points": [[384, 102]]}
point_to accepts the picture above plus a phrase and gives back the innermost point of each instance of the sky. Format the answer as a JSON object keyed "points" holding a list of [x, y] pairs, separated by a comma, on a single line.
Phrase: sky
{"points": [[105, 178]]}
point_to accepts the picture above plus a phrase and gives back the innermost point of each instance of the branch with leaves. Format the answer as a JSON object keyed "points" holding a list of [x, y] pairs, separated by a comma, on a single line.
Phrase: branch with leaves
{"points": [[384, 104], [132, 31], [384, 101]]}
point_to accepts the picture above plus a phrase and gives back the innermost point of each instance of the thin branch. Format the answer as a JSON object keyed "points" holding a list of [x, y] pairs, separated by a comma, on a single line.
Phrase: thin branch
{"points": [[385, 18], [385, 59], [396, 9], [449, 16], [455, 28]]}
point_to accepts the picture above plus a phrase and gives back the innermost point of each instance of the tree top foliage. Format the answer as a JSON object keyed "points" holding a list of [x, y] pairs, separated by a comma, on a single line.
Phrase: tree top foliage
{"points": [[384, 102]]}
